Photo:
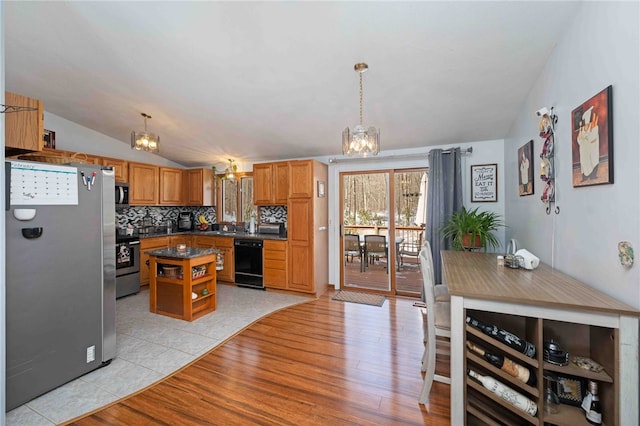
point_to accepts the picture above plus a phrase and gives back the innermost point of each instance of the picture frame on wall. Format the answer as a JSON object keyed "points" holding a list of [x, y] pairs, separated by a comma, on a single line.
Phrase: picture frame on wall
{"points": [[525, 169], [592, 140], [49, 139], [484, 183]]}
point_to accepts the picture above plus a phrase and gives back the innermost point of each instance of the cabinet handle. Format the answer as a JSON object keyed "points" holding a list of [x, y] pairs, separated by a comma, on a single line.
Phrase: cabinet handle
{"points": [[147, 262]]}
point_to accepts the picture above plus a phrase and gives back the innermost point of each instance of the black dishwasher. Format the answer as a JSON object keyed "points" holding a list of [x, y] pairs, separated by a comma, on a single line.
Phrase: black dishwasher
{"points": [[248, 263]]}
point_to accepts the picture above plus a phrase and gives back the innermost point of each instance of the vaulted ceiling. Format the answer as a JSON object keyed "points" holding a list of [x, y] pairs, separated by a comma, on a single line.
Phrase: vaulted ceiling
{"points": [[273, 80]]}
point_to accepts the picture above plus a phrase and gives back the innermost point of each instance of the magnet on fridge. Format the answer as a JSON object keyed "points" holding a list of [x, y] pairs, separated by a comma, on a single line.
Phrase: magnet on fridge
{"points": [[24, 214]]}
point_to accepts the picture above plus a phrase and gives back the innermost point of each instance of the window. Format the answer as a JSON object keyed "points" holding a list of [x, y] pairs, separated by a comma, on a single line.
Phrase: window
{"points": [[236, 199]]}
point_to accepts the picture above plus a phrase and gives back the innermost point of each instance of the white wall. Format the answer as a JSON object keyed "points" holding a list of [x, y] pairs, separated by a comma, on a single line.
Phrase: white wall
{"points": [[485, 152], [2, 236], [74, 137], [600, 48]]}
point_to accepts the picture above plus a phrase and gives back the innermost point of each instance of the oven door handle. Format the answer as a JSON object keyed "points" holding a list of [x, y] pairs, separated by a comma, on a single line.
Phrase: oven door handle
{"points": [[133, 243]]}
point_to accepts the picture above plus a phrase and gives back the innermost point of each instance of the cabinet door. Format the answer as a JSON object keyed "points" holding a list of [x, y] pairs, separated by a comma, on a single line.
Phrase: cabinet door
{"points": [[301, 179], [262, 184], [120, 168], [225, 245], [143, 184], [199, 187], [147, 244], [179, 239], [24, 130], [171, 186], [275, 264], [300, 212], [281, 183]]}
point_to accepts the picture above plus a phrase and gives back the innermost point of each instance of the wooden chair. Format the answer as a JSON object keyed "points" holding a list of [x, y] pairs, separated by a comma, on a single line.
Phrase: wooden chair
{"points": [[437, 324], [441, 290], [375, 247], [351, 247], [410, 249]]}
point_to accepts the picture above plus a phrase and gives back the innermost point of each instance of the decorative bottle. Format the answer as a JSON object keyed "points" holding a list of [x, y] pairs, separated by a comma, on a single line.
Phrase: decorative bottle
{"points": [[503, 336], [506, 364], [512, 397], [594, 413]]}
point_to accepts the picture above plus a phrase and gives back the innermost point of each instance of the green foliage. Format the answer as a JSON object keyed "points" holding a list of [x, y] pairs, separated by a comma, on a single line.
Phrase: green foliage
{"points": [[472, 223]]}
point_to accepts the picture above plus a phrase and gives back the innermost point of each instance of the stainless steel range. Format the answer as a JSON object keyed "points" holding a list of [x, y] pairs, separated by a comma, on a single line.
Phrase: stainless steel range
{"points": [[127, 265]]}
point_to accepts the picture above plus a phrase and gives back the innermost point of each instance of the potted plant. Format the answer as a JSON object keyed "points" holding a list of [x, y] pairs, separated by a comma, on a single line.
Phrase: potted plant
{"points": [[472, 229]]}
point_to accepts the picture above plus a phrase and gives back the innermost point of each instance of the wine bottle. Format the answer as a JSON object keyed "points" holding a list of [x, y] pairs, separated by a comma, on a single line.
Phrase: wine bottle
{"points": [[507, 365], [594, 414], [503, 336], [512, 397]]}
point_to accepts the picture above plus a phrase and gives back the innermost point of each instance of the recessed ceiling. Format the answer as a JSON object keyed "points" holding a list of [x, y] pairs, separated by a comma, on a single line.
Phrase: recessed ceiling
{"points": [[262, 81]]}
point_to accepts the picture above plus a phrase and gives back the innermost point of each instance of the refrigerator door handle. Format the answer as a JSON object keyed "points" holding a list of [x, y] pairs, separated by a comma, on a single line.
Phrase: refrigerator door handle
{"points": [[32, 233]]}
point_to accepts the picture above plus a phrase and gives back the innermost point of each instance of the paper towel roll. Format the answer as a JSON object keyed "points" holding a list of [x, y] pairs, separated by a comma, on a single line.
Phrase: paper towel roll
{"points": [[530, 261]]}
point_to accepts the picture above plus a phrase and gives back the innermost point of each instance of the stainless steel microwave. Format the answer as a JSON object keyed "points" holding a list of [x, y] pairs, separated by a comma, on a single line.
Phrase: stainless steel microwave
{"points": [[122, 194]]}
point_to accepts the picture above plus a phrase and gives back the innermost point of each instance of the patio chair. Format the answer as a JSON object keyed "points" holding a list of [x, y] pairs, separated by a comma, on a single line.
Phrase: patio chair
{"points": [[375, 248], [351, 247], [437, 322], [410, 249]]}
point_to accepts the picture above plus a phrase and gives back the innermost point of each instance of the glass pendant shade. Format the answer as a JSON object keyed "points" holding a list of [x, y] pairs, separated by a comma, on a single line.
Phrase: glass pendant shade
{"points": [[145, 141], [361, 141]]}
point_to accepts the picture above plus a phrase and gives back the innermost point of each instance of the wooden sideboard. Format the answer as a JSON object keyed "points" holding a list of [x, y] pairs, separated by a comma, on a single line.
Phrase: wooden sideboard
{"points": [[538, 305]]}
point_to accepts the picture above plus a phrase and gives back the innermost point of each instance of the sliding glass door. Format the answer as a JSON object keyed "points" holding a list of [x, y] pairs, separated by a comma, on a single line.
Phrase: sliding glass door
{"points": [[380, 238]]}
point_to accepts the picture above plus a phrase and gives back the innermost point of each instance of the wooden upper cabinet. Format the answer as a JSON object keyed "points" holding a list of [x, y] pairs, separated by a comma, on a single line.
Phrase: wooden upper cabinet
{"points": [[281, 182], [301, 179], [24, 130], [199, 187], [270, 183], [143, 184], [171, 186], [120, 168], [262, 184]]}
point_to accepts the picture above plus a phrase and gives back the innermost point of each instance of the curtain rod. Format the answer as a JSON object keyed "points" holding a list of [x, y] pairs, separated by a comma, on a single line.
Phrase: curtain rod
{"points": [[468, 150]]}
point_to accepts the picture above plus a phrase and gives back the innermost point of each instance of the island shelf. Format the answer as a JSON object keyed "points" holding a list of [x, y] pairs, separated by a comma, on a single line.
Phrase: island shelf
{"points": [[171, 290]]}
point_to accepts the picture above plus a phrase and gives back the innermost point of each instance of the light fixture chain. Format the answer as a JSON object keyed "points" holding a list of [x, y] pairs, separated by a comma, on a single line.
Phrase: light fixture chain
{"points": [[360, 98]]}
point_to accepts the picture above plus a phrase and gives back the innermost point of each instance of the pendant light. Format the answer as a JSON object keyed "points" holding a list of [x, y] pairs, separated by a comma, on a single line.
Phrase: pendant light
{"points": [[145, 141], [361, 141], [230, 171]]}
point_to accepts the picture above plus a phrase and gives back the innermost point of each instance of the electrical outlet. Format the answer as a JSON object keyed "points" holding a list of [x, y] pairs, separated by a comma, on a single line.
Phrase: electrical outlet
{"points": [[91, 354]]}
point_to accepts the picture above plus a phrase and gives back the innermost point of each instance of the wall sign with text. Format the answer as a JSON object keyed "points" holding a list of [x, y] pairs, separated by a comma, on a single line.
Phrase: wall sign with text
{"points": [[484, 183]]}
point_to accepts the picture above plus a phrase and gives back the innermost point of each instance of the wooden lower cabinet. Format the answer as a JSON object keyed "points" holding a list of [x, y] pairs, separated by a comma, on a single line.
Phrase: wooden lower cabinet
{"points": [[225, 245], [300, 234], [274, 264], [147, 244]]}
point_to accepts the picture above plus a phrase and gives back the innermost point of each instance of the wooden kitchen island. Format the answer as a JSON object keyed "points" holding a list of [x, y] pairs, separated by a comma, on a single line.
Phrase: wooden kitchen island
{"points": [[537, 306], [182, 283]]}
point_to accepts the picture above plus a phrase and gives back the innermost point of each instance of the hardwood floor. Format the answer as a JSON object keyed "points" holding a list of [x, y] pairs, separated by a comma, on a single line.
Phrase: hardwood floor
{"points": [[320, 363]]}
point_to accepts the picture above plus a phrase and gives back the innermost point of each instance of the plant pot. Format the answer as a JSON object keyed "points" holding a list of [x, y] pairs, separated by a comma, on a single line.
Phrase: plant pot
{"points": [[467, 243]]}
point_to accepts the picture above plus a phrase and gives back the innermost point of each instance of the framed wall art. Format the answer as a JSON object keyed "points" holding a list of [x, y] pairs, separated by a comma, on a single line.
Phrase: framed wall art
{"points": [[592, 141], [484, 183], [525, 169]]}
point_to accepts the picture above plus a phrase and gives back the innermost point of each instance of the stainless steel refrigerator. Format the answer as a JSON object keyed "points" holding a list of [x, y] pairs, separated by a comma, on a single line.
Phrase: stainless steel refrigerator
{"points": [[60, 282]]}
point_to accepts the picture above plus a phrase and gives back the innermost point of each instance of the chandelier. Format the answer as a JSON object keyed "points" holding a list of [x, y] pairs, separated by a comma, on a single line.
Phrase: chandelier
{"points": [[145, 141], [359, 140], [229, 172]]}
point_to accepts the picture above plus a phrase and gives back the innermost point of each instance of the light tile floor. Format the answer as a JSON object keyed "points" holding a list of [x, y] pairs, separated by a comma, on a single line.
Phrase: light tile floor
{"points": [[149, 348]]}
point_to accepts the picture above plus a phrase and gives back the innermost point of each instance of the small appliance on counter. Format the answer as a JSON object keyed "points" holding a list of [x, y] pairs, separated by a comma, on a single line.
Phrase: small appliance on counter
{"points": [[273, 228], [185, 221]]}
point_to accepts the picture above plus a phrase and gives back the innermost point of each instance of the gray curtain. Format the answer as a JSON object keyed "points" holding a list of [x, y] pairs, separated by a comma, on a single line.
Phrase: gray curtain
{"points": [[444, 197]]}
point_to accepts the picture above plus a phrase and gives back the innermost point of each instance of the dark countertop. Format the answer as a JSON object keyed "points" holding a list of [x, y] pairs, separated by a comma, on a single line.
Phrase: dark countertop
{"points": [[228, 234], [189, 253]]}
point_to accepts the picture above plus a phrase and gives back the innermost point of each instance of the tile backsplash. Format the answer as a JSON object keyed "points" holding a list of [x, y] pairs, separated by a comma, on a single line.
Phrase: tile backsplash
{"points": [[133, 215]]}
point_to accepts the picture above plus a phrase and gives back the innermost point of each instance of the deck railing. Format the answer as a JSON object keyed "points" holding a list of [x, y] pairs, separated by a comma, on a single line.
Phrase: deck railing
{"points": [[409, 234]]}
